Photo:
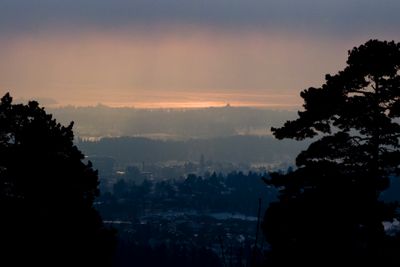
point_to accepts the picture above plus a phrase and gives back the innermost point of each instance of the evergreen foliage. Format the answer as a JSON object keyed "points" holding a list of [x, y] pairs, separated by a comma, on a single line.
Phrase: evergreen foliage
{"points": [[329, 208], [46, 193]]}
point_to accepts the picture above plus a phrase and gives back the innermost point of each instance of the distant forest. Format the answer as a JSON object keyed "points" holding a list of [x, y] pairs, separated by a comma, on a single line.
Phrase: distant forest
{"points": [[233, 149]]}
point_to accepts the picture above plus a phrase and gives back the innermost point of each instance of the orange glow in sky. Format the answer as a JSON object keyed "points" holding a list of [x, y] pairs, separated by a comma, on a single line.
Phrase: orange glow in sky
{"points": [[167, 69], [181, 53], [199, 100]]}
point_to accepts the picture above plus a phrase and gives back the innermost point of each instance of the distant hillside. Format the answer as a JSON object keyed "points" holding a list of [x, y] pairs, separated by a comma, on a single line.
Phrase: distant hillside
{"points": [[178, 124], [235, 149]]}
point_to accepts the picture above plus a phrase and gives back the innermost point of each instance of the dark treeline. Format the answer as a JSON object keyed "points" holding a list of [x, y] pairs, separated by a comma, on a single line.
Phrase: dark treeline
{"points": [[234, 193], [235, 149]]}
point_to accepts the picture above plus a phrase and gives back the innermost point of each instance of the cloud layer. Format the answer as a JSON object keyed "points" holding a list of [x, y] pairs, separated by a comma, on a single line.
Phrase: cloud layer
{"points": [[322, 16]]}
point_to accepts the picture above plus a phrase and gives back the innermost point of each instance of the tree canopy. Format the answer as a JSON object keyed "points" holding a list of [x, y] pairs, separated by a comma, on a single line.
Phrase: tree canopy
{"points": [[46, 193], [329, 208]]}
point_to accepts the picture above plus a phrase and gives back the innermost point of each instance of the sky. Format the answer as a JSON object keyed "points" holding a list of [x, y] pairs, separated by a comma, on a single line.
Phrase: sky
{"points": [[181, 53]]}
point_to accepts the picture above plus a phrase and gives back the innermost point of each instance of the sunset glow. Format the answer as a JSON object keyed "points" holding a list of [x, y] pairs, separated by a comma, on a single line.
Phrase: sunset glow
{"points": [[179, 54], [171, 71]]}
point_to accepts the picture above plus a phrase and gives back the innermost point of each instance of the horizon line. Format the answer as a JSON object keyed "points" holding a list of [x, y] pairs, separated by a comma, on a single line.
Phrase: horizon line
{"points": [[179, 105]]}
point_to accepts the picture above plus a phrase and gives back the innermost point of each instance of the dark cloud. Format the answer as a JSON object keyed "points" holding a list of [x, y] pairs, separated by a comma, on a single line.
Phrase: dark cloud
{"points": [[311, 16]]}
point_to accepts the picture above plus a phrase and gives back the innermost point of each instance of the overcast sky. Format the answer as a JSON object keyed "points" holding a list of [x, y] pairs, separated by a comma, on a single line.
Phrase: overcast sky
{"points": [[181, 52]]}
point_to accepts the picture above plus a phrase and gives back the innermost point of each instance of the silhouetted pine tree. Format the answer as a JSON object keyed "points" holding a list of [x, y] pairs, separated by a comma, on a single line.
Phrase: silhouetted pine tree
{"points": [[46, 194], [329, 210]]}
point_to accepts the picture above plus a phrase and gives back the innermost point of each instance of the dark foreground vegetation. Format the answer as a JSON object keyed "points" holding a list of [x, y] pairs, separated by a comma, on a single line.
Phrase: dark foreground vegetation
{"points": [[47, 194], [330, 208]]}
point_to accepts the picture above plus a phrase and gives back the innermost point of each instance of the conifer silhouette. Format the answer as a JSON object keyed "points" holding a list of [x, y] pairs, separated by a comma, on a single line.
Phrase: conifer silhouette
{"points": [[46, 194], [329, 208]]}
